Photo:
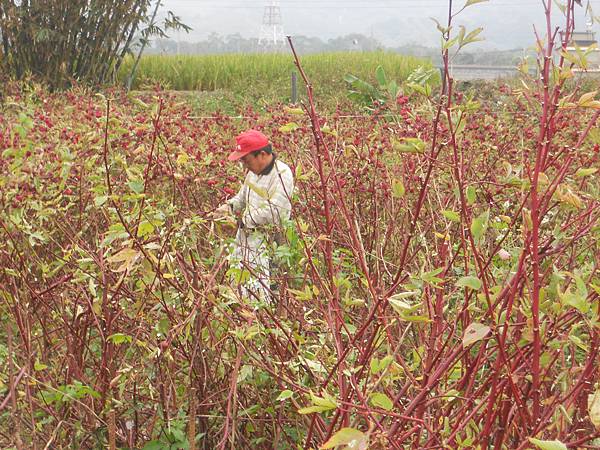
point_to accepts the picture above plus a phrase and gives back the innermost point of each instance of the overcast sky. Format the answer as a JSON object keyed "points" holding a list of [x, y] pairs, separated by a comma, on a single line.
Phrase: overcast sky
{"points": [[507, 23]]}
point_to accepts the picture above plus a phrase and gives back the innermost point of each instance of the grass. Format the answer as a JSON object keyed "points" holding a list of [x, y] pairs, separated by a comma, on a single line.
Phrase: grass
{"points": [[266, 76]]}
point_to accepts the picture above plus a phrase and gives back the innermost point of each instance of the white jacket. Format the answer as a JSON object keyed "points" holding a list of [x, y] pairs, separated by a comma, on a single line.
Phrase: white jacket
{"points": [[265, 199], [263, 203]]}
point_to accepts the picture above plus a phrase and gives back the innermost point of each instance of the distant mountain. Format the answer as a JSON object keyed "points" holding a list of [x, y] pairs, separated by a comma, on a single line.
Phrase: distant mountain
{"points": [[507, 24]]}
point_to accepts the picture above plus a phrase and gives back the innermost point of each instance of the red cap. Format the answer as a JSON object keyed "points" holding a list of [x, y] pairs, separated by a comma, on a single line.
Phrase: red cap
{"points": [[248, 142]]}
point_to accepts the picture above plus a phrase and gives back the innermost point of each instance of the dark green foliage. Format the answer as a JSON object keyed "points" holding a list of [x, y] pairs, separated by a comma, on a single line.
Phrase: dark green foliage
{"points": [[61, 42]]}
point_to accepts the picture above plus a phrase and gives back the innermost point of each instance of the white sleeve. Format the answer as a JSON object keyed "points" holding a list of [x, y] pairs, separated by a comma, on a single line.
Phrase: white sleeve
{"points": [[277, 205], [238, 201]]}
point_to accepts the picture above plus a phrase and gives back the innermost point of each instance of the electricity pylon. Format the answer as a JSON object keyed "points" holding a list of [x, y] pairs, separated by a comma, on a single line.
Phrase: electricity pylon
{"points": [[271, 31]]}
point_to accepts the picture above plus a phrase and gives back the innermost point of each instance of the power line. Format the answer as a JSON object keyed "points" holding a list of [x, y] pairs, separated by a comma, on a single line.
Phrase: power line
{"points": [[386, 3], [321, 5], [396, 2]]}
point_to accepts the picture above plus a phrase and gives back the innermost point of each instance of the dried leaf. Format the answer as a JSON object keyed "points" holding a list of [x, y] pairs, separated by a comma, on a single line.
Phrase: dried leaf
{"points": [[350, 437], [594, 408], [475, 332], [548, 445]]}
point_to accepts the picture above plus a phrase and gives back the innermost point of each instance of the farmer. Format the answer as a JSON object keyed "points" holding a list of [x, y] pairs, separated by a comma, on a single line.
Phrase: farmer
{"points": [[261, 207]]}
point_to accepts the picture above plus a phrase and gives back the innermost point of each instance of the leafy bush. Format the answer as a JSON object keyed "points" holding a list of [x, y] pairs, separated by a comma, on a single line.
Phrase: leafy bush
{"points": [[441, 287]]}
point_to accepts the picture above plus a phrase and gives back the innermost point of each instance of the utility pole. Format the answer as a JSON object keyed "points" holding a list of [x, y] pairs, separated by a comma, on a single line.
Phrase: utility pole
{"points": [[271, 32]]}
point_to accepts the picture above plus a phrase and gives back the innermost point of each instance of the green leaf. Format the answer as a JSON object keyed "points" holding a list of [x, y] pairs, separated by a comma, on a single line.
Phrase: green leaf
{"points": [[284, 395], [377, 366], [239, 276], [244, 373], [120, 338], [136, 186], [451, 215], [548, 445], [139, 102], [479, 225], [393, 89], [145, 228], [402, 307], [402, 295], [416, 319], [475, 332], [586, 98], [100, 200], [579, 343], [583, 172], [448, 44], [385, 362], [470, 282], [409, 145], [577, 299], [374, 365], [289, 127], [471, 37], [126, 256], [350, 437], [471, 195], [380, 400], [398, 189], [155, 445], [380, 76], [461, 34], [432, 277], [163, 326], [298, 173], [38, 366], [305, 295], [561, 6], [327, 130], [594, 135], [313, 409], [439, 26], [320, 404], [473, 2], [594, 408], [295, 111], [459, 121]]}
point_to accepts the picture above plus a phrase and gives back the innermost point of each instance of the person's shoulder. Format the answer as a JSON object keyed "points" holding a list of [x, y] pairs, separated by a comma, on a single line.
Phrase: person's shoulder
{"points": [[281, 166], [250, 177]]}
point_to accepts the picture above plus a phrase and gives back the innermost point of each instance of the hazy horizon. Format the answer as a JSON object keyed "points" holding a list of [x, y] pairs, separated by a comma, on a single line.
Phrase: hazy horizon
{"points": [[392, 22]]}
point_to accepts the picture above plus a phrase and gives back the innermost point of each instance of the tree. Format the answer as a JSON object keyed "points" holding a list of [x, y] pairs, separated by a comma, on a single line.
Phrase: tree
{"points": [[354, 42], [61, 42]]}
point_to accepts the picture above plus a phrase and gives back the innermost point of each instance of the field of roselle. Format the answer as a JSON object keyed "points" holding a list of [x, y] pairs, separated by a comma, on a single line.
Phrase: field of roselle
{"points": [[440, 284]]}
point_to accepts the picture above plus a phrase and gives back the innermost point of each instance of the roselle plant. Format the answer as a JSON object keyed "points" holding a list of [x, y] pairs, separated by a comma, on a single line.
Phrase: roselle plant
{"points": [[387, 94], [494, 406], [439, 285]]}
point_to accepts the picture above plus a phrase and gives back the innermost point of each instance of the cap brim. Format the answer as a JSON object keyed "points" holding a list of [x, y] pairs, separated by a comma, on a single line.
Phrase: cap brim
{"points": [[234, 156]]}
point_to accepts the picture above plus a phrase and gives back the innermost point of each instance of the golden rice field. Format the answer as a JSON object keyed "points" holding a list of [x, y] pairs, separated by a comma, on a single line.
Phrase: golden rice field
{"points": [[267, 73]]}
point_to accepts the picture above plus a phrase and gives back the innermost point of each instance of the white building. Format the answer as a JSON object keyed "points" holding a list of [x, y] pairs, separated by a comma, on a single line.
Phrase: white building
{"points": [[586, 42]]}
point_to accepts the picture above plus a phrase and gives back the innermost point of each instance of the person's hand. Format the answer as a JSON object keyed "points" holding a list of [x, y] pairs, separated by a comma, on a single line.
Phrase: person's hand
{"points": [[223, 211], [224, 220], [224, 214]]}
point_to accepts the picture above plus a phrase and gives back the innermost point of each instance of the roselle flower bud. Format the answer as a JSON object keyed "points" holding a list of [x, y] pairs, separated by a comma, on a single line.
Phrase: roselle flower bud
{"points": [[504, 255]]}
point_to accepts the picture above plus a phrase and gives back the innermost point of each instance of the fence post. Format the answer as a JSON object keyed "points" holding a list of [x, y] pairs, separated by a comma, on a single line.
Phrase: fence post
{"points": [[443, 78], [294, 87], [192, 420], [112, 430]]}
